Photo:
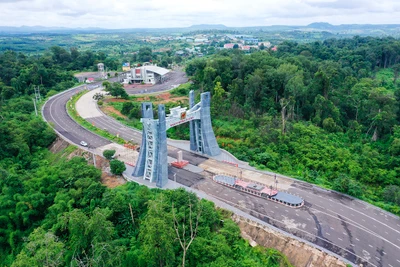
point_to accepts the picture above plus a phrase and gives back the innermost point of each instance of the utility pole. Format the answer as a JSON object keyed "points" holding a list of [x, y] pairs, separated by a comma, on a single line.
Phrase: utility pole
{"points": [[37, 93], [94, 160], [34, 103]]}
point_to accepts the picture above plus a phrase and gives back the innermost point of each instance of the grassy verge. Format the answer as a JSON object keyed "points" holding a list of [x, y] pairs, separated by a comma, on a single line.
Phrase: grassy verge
{"points": [[76, 117], [133, 123]]}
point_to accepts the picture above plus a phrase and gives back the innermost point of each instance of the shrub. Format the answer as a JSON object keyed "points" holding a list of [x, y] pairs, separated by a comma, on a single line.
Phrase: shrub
{"points": [[108, 154], [117, 167]]}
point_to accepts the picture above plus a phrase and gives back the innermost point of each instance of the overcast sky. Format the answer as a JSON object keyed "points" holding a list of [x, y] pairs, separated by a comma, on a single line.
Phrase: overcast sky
{"points": [[183, 13]]}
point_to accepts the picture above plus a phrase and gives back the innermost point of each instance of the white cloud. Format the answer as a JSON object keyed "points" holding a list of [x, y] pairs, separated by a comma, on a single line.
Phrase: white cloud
{"points": [[183, 13]]}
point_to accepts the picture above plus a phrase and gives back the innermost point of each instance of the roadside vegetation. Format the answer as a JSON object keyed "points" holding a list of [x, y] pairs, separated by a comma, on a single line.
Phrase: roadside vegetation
{"points": [[75, 116]]}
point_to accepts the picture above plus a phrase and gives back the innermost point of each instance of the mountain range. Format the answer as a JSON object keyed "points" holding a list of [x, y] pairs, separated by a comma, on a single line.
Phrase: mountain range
{"points": [[316, 26]]}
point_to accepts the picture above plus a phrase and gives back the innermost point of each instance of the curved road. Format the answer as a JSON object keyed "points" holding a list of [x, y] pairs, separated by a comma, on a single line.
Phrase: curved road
{"points": [[55, 112], [357, 231]]}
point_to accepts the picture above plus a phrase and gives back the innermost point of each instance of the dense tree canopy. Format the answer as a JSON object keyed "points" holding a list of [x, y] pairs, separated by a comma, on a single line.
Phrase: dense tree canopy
{"points": [[53, 70]]}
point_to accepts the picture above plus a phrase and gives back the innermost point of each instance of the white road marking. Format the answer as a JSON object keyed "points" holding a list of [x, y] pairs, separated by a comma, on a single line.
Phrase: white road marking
{"points": [[316, 229], [328, 234], [344, 233], [378, 259], [398, 261], [357, 239], [272, 211], [370, 246], [390, 265], [297, 214], [332, 228], [386, 233], [340, 239], [384, 253], [309, 219], [352, 245]]}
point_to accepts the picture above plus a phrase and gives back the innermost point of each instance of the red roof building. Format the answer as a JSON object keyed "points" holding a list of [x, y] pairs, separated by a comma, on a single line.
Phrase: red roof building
{"points": [[228, 46]]}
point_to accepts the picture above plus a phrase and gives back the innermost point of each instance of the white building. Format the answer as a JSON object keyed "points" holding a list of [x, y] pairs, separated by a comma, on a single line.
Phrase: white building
{"points": [[148, 74]]}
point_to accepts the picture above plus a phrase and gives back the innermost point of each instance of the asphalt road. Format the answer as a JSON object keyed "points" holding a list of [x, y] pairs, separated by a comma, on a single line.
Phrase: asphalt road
{"points": [[355, 230], [175, 78], [55, 112]]}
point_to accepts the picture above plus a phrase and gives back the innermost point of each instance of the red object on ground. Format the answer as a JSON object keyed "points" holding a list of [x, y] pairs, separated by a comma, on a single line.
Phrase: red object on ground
{"points": [[180, 164], [232, 163], [130, 146], [130, 164]]}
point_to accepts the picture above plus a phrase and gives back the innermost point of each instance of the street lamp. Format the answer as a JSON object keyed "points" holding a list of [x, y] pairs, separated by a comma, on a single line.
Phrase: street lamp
{"points": [[175, 180]]}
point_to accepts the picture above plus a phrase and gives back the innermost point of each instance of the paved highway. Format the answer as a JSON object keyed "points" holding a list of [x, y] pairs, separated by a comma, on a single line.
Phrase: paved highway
{"points": [[357, 231], [55, 112]]}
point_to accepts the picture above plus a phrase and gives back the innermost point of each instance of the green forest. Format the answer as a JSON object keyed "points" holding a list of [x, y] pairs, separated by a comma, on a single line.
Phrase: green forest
{"points": [[324, 112], [54, 211]]}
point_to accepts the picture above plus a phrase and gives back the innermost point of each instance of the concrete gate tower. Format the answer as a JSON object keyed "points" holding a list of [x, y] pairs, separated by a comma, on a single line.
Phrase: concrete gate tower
{"points": [[152, 163]]}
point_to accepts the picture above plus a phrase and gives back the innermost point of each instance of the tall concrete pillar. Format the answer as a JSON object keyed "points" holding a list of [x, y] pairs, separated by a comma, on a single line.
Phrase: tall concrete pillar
{"points": [[210, 145], [193, 143], [162, 159], [147, 113]]}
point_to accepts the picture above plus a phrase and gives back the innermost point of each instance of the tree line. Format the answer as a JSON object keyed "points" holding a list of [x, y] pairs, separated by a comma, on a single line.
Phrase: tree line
{"points": [[52, 71]]}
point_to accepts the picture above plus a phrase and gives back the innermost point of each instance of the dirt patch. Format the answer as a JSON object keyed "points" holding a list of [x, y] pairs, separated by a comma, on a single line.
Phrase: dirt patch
{"points": [[111, 110], [299, 254], [108, 100], [163, 98], [58, 145], [107, 179], [112, 181]]}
